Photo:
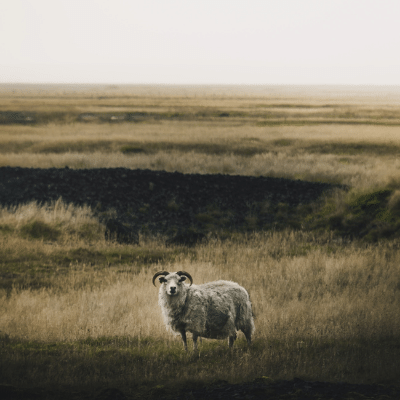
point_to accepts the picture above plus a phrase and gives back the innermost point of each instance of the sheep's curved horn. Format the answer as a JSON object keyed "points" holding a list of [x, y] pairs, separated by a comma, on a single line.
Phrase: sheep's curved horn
{"points": [[180, 273], [158, 274]]}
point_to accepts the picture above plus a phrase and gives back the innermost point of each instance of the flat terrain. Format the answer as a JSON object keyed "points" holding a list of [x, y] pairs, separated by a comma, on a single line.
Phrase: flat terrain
{"points": [[342, 135], [79, 315]]}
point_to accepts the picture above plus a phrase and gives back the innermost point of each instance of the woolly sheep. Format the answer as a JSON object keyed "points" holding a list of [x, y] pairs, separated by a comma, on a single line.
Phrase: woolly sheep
{"points": [[214, 310]]}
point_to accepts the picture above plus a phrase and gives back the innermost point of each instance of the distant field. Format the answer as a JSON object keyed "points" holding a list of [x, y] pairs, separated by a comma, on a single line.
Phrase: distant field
{"points": [[348, 136], [79, 312]]}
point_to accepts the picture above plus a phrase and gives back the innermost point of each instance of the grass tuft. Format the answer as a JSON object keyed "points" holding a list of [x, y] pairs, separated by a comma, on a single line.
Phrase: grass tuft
{"points": [[39, 230]]}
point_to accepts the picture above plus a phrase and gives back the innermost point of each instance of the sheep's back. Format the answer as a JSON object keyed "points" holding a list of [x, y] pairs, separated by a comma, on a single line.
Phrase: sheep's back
{"points": [[222, 296], [215, 308], [222, 287]]}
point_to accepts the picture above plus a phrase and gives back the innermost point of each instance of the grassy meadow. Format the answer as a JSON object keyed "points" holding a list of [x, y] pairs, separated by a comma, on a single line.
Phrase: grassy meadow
{"points": [[76, 311], [342, 135]]}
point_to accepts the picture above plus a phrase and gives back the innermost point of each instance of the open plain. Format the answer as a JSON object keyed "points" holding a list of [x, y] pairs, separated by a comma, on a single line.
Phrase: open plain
{"points": [[79, 315]]}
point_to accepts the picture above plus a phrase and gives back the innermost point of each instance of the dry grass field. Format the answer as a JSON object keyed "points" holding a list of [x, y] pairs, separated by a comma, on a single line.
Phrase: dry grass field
{"points": [[76, 311], [344, 136]]}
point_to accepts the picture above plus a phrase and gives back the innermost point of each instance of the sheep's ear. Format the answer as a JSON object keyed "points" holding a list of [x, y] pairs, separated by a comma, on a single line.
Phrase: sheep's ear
{"points": [[182, 278], [162, 279]]}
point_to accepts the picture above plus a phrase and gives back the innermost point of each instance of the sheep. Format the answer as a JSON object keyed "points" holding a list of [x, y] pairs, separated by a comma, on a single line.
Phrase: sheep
{"points": [[213, 310]]}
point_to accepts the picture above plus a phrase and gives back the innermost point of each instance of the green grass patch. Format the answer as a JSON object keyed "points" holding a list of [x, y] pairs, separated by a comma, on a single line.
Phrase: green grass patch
{"points": [[233, 147], [34, 268], [238, 148], [88, 231], [40, 230], [283, 142], [371, 216], [79, 146], [353, 148], [6, 229], [129, 149]]}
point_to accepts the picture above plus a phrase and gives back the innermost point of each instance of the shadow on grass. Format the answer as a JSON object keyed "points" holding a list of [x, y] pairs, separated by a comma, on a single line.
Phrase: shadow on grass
{"points": [[148, 365]]}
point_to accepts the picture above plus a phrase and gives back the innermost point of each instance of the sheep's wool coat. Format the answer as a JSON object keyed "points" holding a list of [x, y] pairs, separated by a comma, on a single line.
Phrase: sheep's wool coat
{"points": [[212, 310]]}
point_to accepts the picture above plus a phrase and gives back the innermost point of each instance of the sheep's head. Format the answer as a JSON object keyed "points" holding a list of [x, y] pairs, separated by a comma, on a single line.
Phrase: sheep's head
{"points": [[172, 281]]}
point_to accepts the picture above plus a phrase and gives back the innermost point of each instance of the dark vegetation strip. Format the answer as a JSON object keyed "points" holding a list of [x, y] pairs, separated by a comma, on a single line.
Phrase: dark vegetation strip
{"points": [[238, 149], [295, 105], [266, 118], [358, 148], [242, 148], [312, 122]]}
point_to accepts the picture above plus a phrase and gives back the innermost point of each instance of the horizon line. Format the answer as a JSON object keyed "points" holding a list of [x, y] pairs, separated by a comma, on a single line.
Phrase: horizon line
{"points": [[196, 84]]}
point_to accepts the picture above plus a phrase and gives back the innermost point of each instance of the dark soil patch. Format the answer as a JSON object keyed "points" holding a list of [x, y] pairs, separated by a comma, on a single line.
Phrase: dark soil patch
{"points": [[295, 389], [261, 388], [162, 202]]}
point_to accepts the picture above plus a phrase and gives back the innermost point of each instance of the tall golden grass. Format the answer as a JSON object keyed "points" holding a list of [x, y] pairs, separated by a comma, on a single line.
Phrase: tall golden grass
{"points": [[351, 293], [325, 309], [296, 153]]}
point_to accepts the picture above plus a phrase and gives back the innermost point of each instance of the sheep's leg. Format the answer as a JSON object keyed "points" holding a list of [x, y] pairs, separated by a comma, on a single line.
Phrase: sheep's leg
{"points": [[232, 340], [195, 341], [183, 334], [247, 333]]}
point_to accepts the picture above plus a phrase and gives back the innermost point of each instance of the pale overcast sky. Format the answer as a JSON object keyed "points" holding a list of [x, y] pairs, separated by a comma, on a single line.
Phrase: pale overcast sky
{"points": [[200, 42]]}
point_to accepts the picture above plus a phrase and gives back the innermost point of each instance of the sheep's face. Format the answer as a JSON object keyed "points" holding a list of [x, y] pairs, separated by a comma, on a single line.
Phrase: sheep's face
{"points": [[172, 283]]}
